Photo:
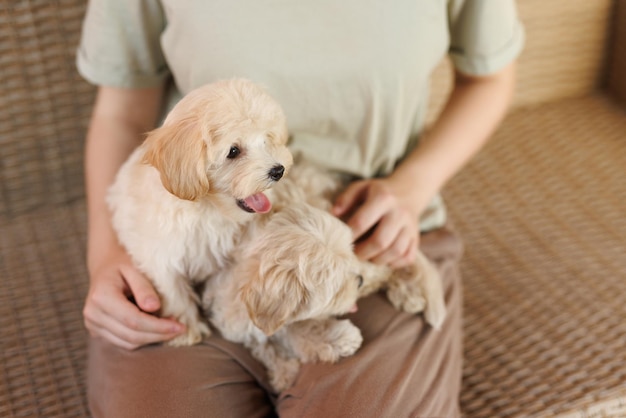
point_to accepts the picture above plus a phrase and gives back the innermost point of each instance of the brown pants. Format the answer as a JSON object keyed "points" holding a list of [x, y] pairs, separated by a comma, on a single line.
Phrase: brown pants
{"points": [[403, 369]]}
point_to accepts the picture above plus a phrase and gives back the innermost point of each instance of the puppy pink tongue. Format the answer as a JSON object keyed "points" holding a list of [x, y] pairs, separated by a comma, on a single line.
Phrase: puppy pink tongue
{"points": [[353, 309], [259, 203]]}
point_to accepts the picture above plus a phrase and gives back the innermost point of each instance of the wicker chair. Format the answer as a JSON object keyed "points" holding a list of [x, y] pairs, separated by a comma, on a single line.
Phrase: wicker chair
{"points": [[541, 210]]}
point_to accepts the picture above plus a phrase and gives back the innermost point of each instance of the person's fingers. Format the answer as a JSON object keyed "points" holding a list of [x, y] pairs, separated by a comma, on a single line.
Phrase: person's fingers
{"points": [[133, 327], [129, 341], [407, 259], [108, 311], [114, 339], [383, 236], [116, 332], [349, 198], [131, 317], [142, 289], [384, 231], [370, 213], [396, 250]]}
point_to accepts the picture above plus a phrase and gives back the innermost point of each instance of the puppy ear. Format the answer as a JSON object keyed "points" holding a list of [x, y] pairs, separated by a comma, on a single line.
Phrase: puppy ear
{"points": [[178, 151], [272, 296]]}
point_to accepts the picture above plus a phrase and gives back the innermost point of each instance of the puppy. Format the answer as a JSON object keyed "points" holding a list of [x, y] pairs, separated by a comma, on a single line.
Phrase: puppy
{"points": [[280, 297], [416, 288], [181, 202], [296, 272]]}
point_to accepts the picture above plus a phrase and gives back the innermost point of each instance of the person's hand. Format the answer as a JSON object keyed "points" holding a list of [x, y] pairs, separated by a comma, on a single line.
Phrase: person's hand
{"points": [[384, 221], [109, 313]]}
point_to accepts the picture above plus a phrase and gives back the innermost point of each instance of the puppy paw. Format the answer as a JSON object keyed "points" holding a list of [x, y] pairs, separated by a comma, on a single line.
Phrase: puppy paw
{"points": [[435, 312], [405, 293], [283, 373], [323, 340], [194, 334], [343, 339], [418, 288]]}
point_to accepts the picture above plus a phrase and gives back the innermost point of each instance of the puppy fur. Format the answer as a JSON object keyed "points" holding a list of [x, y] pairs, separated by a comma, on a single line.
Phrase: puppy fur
{"points": [[416, 288], [181, 201], [296, 271], [280, 297]]}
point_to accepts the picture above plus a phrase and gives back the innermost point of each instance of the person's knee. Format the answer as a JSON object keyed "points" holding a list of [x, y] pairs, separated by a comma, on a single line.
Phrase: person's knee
{"points": [[159, 381]]}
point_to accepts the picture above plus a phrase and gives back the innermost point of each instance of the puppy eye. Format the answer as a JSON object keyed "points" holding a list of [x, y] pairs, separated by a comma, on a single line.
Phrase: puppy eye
{"points": [[359, 280], [234, 152]]}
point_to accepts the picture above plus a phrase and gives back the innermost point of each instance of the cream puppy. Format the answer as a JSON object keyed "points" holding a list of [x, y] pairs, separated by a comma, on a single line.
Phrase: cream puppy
{"points": [[292, 277], [295, 271], [416, 288], [182, 200]]}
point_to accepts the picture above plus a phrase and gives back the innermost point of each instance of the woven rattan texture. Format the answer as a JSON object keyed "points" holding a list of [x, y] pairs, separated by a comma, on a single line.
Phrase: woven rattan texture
{"points": [[43, 104], [541, 210], [43, 282]]}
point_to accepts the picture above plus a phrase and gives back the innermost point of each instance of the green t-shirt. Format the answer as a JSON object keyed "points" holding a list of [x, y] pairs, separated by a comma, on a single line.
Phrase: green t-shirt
{"points": [[351, 75]]}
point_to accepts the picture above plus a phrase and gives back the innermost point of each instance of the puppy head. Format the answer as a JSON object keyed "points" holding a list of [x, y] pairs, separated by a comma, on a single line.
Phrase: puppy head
{"points": [[227, 138], [301, 267]]}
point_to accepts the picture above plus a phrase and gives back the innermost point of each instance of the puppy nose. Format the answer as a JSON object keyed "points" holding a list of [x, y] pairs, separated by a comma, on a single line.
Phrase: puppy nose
{"points": [[276, 173]]}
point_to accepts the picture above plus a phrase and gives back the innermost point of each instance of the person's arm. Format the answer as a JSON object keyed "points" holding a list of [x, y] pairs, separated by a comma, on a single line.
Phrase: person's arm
{"points": [[391, 206], [119, 121]]}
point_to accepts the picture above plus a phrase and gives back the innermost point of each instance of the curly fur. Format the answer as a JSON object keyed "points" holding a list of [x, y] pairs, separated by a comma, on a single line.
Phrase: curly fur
{"points": [[174, 202], [295, 272]]}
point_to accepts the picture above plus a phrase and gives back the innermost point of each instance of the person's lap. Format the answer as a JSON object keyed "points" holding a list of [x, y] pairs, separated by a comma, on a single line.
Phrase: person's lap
{"points": [[404, 368]]}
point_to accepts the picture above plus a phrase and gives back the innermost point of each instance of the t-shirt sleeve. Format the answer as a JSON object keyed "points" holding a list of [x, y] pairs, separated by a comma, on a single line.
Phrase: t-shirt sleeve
{"points": [[485, 35], [120, 44]]}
